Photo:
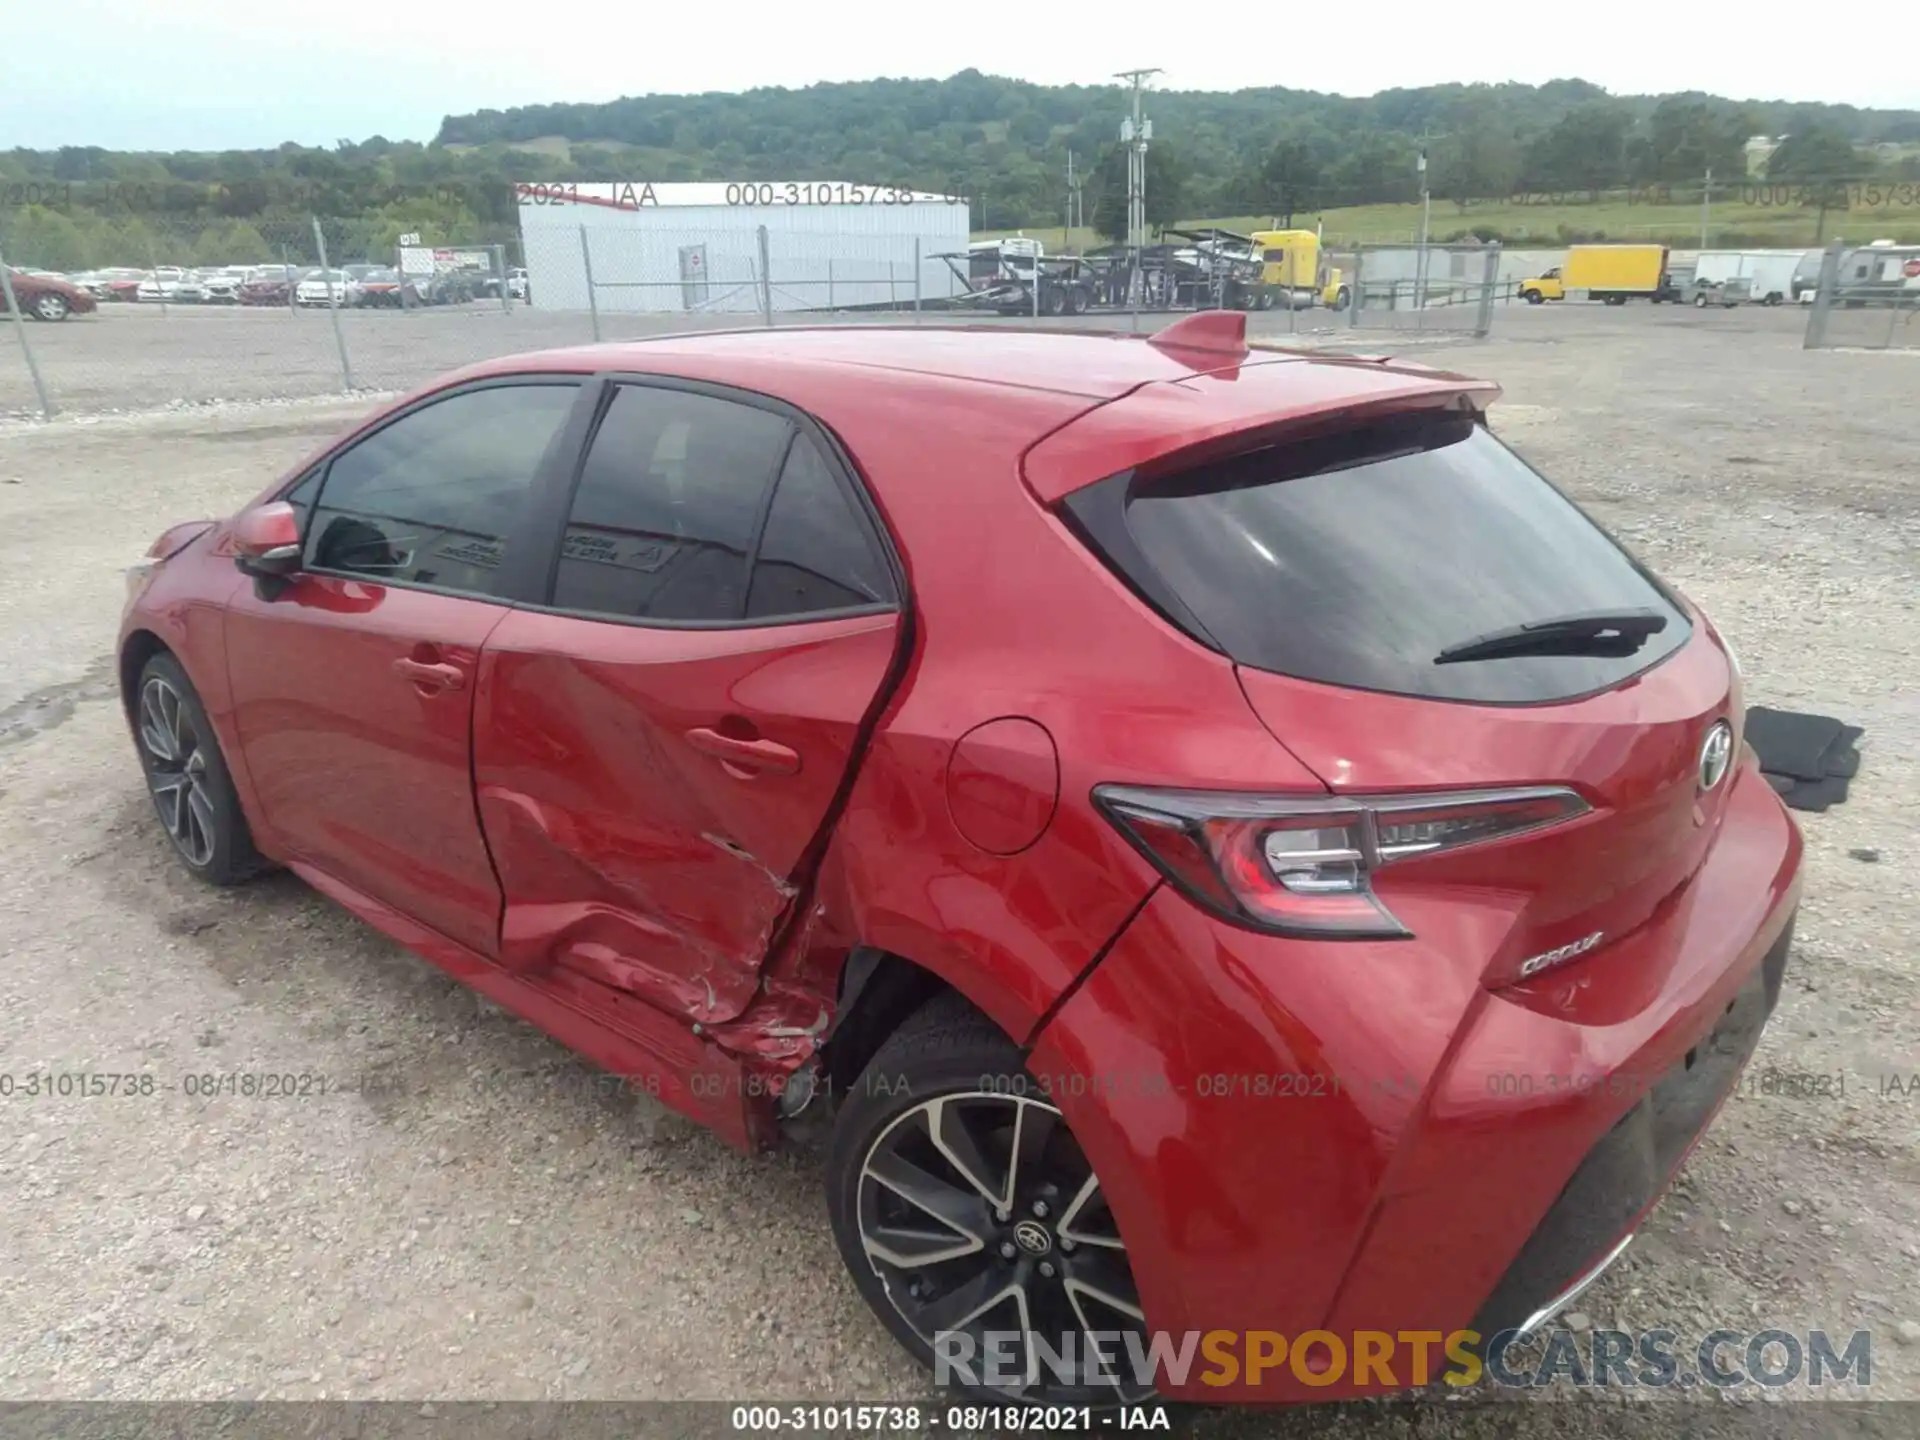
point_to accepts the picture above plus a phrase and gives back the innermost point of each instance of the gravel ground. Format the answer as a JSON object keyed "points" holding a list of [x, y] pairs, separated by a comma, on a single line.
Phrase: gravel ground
{"points": [[494, 1224]]}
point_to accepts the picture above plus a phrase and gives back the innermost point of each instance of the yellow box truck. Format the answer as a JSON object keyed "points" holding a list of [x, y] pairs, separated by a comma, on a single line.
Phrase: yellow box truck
{"points": [[1611, 273]]}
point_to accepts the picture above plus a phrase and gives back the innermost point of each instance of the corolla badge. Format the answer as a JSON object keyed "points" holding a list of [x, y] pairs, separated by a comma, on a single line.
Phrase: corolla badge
{"points": [[1537, 963]]}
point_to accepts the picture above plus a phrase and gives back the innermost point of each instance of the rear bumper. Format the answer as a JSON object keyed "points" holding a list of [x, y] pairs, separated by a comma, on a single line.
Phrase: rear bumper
{"points": [[1625, 1173], [1301, 1135]]}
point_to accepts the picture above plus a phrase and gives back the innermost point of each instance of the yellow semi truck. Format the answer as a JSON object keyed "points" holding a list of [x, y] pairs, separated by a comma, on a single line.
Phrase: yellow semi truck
{"points": [[1294, 273], [1614, 274]]}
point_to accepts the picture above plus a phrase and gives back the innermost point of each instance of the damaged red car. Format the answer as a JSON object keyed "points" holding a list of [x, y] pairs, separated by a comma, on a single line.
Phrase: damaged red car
{"points": [[1206, 836]]}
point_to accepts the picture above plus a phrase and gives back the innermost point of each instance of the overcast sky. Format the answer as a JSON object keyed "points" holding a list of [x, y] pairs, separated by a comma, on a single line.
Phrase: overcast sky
{"points": [[215, 74]]}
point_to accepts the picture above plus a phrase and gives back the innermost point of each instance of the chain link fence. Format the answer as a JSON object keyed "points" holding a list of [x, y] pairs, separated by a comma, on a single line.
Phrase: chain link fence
{"points": [[1442, 288], [106, 312], [1868, 298], [147, 314]]}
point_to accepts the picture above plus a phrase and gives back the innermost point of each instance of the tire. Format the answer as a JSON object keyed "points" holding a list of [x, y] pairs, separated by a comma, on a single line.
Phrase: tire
{"points": [[1700, 302], [188, 779], [1052, 1241], [1341, 299], [1053, 300], [50, 306], [1533, 297]]}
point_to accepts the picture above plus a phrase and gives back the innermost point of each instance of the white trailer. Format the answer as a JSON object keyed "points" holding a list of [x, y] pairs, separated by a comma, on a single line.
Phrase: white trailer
{"points": [[1769, 273]]}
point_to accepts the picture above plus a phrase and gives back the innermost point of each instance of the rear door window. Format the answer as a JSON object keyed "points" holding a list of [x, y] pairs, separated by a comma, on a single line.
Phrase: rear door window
{"points": [[817, 554], [669, 503], [1357, 559]]}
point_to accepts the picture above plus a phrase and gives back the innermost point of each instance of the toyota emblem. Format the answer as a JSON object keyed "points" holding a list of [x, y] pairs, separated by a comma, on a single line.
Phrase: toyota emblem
{"points": [[1032, 1238], [1716, 755]]}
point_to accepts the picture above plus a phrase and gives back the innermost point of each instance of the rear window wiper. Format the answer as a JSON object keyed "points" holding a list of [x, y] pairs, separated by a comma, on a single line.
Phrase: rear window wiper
{"points": [[1597, 632]]}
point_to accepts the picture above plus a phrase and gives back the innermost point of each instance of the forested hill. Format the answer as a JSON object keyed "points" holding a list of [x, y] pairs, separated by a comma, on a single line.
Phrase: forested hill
{"points": [[1004, 142]]}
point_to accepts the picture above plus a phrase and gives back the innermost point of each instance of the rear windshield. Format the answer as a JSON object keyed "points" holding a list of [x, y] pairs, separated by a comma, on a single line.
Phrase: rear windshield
{"points": [[1358, 558]]}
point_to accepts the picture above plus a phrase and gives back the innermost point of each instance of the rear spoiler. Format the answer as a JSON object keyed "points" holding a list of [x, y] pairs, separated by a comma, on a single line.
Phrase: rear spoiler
{"points": [[1172, 424]]}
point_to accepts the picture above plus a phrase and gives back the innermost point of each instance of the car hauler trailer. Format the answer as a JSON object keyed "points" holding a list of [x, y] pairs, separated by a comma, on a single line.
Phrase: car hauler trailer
{"points": [[1002, 275]]}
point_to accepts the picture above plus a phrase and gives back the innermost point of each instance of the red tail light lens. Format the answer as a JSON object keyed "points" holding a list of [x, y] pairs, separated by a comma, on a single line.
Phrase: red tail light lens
{"points": [[1303, 865]]}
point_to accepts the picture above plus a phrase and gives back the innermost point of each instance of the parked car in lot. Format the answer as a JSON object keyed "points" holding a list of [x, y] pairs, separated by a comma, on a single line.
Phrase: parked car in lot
{"points": [[385, 289], [162, 285], [48, 297], [330, 287], [448, 287], [117, 284], [1177, 906], [222, 286], [268, 284]]}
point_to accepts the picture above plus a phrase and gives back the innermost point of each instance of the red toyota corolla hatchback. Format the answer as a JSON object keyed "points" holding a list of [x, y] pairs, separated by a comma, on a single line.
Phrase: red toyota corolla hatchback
{"points": [[1223, 843]]}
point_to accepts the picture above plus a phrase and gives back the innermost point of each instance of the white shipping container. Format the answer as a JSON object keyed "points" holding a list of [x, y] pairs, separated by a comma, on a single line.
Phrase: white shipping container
{"points": [[695, 248]]}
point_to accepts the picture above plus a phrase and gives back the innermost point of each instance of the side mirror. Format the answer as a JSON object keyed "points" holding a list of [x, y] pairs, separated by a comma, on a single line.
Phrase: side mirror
{"points": [[266, 541]]}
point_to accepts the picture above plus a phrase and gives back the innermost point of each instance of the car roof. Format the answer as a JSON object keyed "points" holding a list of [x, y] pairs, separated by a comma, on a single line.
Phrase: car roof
{"points": [[1093, 365]]}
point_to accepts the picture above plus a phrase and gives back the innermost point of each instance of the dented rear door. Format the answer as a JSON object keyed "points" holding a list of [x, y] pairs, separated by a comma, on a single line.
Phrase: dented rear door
{"points": [[660, 747]]}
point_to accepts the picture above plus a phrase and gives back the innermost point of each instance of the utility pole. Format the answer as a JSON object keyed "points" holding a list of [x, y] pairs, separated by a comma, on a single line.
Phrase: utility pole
{"points": [[1706, 205], [1426, 226], [1134, 134], [1426, 196], [1076, 206]]}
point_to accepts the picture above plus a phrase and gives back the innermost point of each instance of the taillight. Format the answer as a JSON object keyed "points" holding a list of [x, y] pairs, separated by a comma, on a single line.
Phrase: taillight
{"points": [[1303, 865]]}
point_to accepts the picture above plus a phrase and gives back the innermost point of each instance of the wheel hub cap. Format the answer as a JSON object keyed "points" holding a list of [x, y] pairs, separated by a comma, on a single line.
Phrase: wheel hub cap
{"points": [[981, 1216], [176, 765]]}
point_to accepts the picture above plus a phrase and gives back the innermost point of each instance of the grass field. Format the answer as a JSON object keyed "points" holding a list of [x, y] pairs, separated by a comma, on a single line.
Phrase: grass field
{"points": [[1730, 223]]}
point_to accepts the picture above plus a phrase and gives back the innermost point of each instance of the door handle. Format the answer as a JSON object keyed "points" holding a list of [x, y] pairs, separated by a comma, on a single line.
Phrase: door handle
{"points": [[743, 759], [430, 677]]}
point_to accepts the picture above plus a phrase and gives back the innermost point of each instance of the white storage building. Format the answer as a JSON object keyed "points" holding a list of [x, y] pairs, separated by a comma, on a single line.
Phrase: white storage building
{"points": [[713, 247]]}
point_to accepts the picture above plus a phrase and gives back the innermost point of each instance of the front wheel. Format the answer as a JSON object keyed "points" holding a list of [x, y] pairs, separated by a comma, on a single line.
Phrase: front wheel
{"points": [[974, 1225], [188, 779], [1699, 302], [1533, 297], [50, 306]]}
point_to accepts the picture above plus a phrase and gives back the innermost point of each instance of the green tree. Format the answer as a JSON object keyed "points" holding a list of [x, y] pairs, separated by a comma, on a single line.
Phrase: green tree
{"points": [[46, 240], [1687, 136], [1291, 180], [1817, 153], [1586, 149], [1107, 195]]}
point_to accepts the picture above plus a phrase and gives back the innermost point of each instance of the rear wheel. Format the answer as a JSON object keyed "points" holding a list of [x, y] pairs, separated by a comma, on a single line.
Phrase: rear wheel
{"points": [[1700, 302], [188, 779], [965, 1209]]}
